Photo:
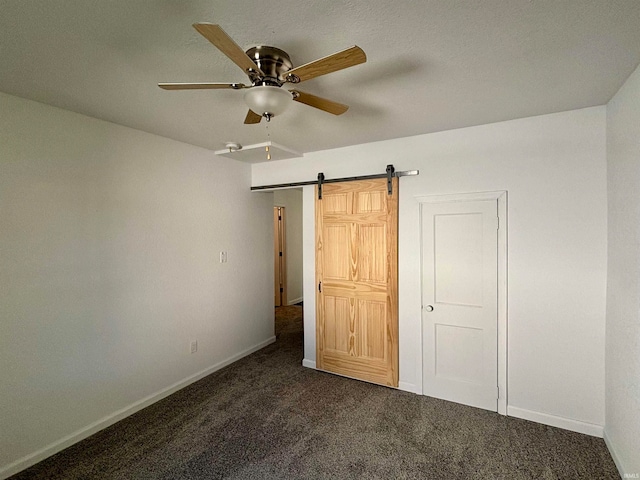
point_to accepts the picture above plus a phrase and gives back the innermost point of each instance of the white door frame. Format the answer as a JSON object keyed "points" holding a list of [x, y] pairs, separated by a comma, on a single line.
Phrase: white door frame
{"points": [[501, 198]]}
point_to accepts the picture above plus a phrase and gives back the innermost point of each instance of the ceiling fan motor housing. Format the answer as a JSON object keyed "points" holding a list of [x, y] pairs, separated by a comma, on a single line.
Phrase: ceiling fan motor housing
{"points": [[274, 63]]}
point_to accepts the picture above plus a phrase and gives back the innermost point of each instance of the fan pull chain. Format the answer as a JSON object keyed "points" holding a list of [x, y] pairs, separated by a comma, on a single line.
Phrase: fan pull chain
{"points": [[268, 143]]}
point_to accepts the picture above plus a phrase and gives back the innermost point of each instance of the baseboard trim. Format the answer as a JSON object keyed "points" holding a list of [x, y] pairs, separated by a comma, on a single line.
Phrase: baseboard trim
{"points": [[407, 387], [614, 455], [294, 301], [554, 421], [59, 445], [309, 363]]}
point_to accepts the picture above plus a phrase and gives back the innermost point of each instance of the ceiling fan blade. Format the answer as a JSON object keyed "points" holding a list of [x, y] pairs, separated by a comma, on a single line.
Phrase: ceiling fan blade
{"points": [[332, 63], [195, 86], [223, 42], [319, 102], [252, 117]]}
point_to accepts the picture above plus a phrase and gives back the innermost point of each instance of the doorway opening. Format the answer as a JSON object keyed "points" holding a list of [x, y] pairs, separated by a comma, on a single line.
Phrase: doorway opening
{"points": [[287, 266]]}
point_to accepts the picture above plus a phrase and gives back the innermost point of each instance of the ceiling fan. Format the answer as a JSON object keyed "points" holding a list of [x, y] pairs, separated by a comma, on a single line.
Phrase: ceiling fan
{"points": [[269, 68]]}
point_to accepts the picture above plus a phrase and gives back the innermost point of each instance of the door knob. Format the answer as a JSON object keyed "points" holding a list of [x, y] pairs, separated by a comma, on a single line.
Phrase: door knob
{"points": [[429, 308]]}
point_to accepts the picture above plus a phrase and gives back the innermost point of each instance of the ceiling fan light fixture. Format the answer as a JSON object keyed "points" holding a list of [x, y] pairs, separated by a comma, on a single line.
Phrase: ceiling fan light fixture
{"points": [[267, 100]]}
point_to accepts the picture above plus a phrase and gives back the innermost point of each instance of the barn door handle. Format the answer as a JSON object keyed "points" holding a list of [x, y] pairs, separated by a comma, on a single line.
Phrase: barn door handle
{"points": [[320, 287], [429, 308]]}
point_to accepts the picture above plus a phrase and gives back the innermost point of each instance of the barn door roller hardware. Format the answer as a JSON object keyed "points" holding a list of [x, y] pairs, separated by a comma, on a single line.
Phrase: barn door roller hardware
{"points": [[389, 174], [320, 182]]}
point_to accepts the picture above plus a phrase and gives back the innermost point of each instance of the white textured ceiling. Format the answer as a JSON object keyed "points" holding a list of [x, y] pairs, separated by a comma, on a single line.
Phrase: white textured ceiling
{"points": [[432, 65]]}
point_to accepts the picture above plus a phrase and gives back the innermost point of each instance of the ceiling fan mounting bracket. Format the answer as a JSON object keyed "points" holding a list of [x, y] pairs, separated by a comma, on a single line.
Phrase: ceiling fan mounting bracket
{"points": [[273, 62]]}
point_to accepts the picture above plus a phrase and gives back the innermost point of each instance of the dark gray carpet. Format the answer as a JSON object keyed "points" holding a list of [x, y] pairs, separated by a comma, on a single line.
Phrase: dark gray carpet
{"points": [[268, 417]]}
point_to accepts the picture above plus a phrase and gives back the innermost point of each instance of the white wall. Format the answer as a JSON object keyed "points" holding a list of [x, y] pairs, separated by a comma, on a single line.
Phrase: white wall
{"points": [[109, 242], [554, 168], [291, 199], [309, 275], [623, 287]]}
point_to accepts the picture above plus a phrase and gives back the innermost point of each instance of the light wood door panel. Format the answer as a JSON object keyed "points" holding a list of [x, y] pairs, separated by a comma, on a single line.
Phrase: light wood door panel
{"points": [[279, 258], [357, 278]]}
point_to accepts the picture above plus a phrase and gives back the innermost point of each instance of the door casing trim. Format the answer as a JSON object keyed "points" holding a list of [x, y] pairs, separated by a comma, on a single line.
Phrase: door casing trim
{"points": [[503, 352]]}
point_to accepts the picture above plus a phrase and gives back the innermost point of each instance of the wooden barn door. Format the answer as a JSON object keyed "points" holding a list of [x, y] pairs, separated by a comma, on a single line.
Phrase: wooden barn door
{"points": [[357, 280]]}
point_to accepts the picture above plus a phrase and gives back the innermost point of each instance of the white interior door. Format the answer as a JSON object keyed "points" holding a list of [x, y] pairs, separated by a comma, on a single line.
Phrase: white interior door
{"points": [[460, 302]]}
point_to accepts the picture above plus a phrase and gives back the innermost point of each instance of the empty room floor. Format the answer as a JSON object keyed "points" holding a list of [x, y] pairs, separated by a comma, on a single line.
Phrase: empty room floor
{"points": [[267, 417]]}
